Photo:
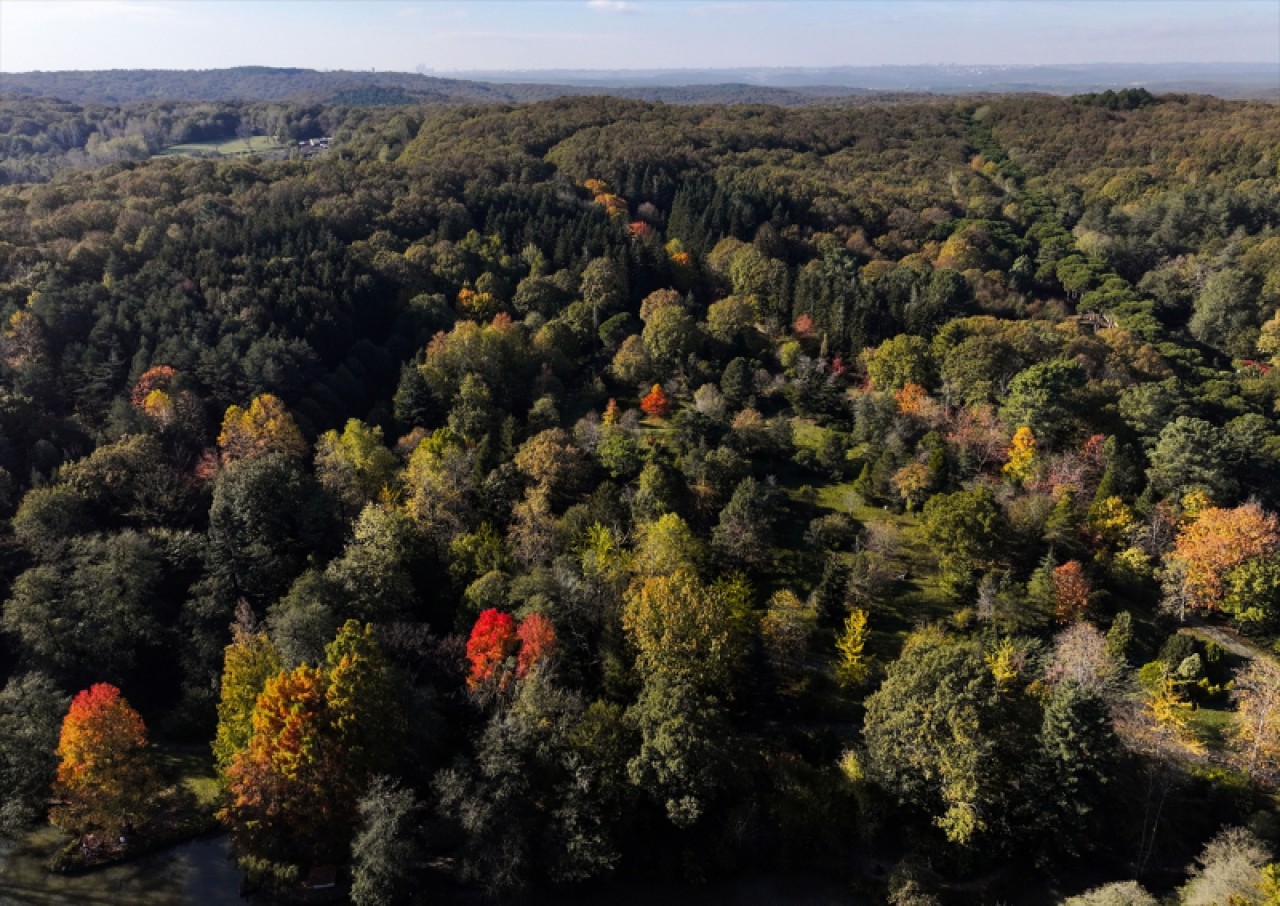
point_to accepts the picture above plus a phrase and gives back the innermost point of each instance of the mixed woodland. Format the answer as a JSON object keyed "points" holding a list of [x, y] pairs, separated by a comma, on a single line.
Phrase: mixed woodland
{"points": [[525, 498]]}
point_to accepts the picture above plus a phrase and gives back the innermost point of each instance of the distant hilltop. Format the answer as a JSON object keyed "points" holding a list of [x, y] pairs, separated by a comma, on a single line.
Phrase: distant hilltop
{"points": [[786, 86]]}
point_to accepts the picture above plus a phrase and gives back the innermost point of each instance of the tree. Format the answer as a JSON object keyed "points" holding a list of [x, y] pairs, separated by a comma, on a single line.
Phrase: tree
{"points": [[1226, 315], [937, 738], [1022, 456], [1041, 397], [355, 465], [682, 631], [537, 638], [385, 851], [899, 361], [250, 660], [655, 404], [669, 335], [604, 287], [1257, 698], [264, 429], [292, 800], [1228, 871], [1122, 893], [493, 641], [1209, 548], [363, 703], [267, 516], [1078, 758], [852, 663], [744, 532], [666, 546], [785, 629], [963, 529], [1192, 455], [92, 612], [1071, 592], [31, 708], [104, 779], [682, 759]]}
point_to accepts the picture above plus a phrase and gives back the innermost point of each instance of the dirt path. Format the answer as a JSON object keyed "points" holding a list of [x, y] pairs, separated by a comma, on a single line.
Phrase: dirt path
{"points": [[1228, 639]]}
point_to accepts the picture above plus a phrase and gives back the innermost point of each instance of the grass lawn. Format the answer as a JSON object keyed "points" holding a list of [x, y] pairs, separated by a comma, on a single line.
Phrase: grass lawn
{"points": [[184, 809], [231, 147]]}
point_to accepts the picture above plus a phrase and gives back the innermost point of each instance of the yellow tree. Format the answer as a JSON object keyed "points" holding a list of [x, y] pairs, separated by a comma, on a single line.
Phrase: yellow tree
{"points": [[250, 661], [1022, 456], [266, 427], [853, 666], [682, 630]]}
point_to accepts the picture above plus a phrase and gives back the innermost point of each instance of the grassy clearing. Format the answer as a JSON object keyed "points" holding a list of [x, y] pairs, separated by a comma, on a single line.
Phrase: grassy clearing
{"points": [[184, 808], [231, 147]]}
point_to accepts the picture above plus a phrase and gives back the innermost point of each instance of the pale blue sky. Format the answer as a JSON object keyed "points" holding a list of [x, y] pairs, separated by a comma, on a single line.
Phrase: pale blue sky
{"points": [[615, 34]]}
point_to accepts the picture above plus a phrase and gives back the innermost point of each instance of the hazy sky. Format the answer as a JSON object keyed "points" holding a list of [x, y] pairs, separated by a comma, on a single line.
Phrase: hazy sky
{"points": [[614, 34]]}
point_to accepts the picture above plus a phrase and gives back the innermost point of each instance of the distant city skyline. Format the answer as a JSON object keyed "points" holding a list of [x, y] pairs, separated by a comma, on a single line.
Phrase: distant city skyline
{"points": [[446, 37]]}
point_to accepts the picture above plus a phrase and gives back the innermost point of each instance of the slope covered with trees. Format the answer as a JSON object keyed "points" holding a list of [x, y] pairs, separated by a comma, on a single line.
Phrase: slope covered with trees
{"points": [[595, 489]]}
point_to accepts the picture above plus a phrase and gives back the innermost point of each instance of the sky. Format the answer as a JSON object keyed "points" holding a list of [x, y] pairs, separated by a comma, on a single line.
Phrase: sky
{"points": [[445, 36]]}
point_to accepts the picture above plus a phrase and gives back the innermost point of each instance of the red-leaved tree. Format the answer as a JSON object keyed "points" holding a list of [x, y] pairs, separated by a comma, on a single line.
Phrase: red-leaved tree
{"points": [[493, 640], [537, 641]]}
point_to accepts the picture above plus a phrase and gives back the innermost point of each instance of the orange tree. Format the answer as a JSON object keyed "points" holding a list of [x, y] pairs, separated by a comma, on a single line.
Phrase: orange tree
{"points": [[104, 779]]}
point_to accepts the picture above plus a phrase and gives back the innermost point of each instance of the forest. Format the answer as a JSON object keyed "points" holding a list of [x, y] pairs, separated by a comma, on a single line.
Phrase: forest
{"points": [[523, 499]]}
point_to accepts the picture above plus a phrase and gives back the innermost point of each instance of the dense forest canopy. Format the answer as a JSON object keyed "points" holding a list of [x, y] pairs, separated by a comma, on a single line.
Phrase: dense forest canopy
{"points": [[597, 488]]}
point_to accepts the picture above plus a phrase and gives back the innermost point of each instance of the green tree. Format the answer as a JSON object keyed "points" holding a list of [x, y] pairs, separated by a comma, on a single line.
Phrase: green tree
{"points": [[31, 709], [1226, 315], [898, 361], [364, 705], [964, 530], [1042, 398], [385, 851], [937, 738], [1079, 756], [355, 465], [1192, 455]]}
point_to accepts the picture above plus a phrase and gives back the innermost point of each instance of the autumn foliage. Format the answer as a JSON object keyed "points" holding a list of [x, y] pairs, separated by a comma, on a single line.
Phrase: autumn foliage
{"points": [[1215, 543], [537, 640], [496, 638], [290, 792], [266, 427], [1071, 591], [656, 404], [104, 779], [159, 378]]}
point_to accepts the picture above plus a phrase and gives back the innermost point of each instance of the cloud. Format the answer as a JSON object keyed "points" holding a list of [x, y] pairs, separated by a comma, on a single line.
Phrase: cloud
{"points": [[612, 6]]}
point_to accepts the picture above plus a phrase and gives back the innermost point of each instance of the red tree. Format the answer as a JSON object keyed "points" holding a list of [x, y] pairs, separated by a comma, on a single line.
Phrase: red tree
{"points": [[493, 640], [656, 404], [537, 640]]}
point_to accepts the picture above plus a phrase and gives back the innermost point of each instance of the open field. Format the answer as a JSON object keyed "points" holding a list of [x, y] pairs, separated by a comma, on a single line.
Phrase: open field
{"points": [[231, 147]]}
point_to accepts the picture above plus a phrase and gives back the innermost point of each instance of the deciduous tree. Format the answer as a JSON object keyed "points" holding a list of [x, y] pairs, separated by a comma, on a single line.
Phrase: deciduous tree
{"points": [[104, 778]]}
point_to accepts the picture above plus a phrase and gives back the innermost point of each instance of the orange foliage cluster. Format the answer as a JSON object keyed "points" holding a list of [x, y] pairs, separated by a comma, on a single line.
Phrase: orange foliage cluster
{"points": [[656, 404], [1216, 542], [1071, 592], [103, 778], [912, 399]]}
